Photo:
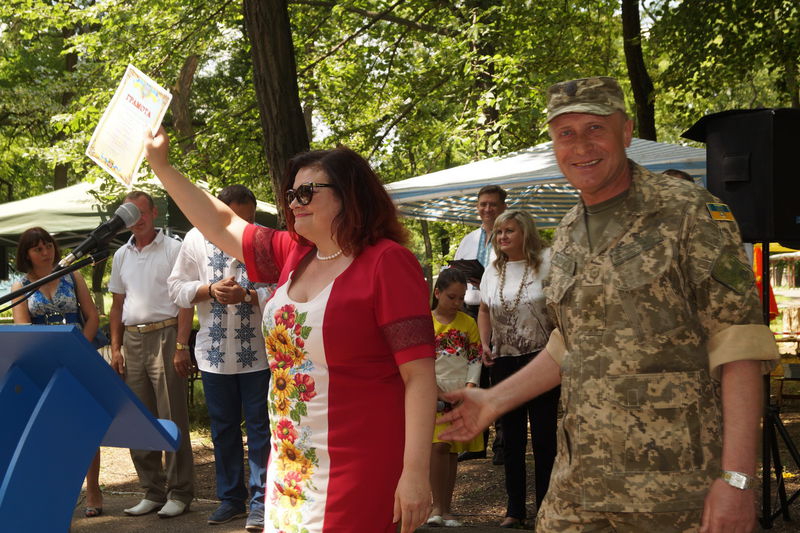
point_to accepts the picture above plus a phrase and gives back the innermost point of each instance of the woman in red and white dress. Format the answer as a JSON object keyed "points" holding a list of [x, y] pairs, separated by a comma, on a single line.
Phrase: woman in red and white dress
{"points": [[350, 342]]}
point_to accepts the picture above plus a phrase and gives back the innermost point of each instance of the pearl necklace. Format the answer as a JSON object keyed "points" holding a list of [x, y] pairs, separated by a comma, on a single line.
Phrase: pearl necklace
{"points": [[519, 291], [329, 257]]}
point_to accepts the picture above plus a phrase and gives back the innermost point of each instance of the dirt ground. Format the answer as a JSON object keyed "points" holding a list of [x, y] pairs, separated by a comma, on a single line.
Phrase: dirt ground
{"points": [[479, 497]]}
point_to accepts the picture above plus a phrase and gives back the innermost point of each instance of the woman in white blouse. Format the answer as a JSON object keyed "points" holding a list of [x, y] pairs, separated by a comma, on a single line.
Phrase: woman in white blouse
{"points": [[514, 327]]}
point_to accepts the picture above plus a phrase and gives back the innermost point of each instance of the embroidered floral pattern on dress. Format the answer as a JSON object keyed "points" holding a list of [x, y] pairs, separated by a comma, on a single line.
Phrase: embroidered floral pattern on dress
{"points": [[408, 332], [292, 387], [456, 343]]}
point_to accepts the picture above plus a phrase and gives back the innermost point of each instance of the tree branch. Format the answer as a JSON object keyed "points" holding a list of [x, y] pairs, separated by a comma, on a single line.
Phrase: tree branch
{"points": [[408, 108], [347, 39], [375, 15]]}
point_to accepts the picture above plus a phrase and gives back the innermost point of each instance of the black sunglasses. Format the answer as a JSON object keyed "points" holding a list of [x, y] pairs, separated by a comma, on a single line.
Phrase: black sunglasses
{"points": [[304, 193]]}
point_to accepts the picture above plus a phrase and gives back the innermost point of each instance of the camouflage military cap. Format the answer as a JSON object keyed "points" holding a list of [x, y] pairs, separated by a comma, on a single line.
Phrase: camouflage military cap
{"points": [[599, 95]]}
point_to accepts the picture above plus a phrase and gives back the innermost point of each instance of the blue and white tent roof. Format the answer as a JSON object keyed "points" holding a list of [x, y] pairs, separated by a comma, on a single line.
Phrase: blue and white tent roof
{"points": [[532, 179]]}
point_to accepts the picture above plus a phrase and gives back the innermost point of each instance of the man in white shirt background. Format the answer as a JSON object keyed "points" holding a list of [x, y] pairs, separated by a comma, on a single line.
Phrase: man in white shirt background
{"points": [[156, 361]]}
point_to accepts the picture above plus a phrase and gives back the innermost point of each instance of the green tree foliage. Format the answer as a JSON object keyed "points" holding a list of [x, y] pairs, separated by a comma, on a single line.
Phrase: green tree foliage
{"points": [[713, 55], [413, 90], [415, 85]]}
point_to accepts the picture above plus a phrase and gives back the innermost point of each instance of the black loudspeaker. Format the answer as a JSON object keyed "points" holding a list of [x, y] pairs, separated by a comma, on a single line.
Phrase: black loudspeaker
{"points": [[749, 166]]}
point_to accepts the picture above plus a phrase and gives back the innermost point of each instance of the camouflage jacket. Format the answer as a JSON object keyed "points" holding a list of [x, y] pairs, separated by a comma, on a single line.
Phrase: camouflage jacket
{"points": [[639, 316]]}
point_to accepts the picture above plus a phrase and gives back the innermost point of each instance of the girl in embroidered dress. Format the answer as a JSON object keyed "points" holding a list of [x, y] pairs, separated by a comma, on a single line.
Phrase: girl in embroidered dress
{"points": [[458, 364], [514, 327]]}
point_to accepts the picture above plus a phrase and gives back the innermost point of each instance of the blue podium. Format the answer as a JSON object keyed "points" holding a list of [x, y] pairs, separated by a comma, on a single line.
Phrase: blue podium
{"points": [[59, 401]]}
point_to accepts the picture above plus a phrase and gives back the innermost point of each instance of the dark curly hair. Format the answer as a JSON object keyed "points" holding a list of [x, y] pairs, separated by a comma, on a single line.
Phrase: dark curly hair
{"points": [[367, 215]]}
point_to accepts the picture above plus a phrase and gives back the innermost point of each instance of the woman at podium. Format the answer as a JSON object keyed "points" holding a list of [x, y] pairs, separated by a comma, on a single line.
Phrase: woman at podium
{"points": [[57, 302]]}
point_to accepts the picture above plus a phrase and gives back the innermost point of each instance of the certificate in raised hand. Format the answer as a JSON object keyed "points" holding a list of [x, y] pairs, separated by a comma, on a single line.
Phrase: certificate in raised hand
{"points": [[117, 144]]}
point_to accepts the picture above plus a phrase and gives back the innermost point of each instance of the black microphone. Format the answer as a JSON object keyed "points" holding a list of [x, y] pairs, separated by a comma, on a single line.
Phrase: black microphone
{"points": [[125, 216]]}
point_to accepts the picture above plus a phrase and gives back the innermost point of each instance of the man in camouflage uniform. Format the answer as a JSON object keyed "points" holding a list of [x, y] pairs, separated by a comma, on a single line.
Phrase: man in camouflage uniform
{"points": [[660, 346]]}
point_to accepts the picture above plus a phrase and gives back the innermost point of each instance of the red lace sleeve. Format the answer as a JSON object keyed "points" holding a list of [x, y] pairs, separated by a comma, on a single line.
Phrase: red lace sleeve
{"points": [[402, 306], [265, 251]]}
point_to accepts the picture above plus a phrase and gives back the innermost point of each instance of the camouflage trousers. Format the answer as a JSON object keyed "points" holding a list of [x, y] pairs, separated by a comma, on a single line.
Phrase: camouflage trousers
{"points": [[557, 515]]}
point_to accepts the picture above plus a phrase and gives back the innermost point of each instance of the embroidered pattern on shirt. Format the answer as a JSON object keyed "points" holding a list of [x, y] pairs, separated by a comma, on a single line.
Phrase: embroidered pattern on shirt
{"points": [[218, 261]]}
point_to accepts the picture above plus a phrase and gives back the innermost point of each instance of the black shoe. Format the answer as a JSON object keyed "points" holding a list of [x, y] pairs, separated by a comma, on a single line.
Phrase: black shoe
{"points": [[497, 459], [467, 456]]}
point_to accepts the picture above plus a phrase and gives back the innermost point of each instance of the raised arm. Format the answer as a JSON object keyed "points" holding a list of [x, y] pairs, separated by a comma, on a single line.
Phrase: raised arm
{"points": [[215, 220]]}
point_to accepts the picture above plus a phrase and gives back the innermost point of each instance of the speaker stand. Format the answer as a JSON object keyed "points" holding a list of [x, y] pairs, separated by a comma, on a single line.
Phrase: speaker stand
{"points": [[772, 427]]}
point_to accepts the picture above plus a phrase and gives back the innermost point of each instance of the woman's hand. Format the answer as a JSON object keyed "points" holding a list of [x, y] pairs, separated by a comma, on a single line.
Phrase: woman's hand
{"points": [[412, 501], [486, 356], [412, 497], [156, 148]]}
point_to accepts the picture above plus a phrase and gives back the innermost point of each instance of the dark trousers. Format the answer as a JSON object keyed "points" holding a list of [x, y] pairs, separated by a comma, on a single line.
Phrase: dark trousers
{"points": [[228, 397], [542, 413]]}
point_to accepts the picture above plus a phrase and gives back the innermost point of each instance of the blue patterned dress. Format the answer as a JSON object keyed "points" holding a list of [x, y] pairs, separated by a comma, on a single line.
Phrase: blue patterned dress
{"points": [[62, 309]]}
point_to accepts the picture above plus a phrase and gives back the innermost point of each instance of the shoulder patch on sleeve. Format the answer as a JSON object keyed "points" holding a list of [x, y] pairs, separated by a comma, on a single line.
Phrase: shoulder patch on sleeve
{"points": [[719, 211], [732, 273], [564, 262]]}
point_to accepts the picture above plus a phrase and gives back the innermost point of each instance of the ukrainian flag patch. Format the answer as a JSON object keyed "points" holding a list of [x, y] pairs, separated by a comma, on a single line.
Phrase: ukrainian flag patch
{"points": [[719, 211]]}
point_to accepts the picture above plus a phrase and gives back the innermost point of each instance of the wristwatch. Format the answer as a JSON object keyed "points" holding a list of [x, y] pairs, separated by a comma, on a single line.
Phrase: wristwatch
{"points": [[181, 346], [247, 297], [737, 479]]}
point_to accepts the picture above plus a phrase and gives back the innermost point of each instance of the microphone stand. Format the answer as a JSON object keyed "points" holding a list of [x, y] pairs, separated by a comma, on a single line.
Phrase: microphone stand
{"points": [[772, 428], [29, 289]]}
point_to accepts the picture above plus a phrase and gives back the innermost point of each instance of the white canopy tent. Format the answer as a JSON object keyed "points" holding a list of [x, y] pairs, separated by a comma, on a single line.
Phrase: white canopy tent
{"points": [[69, 214], [532, 179]]}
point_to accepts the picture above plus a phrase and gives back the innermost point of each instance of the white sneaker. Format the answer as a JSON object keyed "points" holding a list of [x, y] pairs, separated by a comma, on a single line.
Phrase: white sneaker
{"points": [[435, 521], [172, 509], [143, 507]]}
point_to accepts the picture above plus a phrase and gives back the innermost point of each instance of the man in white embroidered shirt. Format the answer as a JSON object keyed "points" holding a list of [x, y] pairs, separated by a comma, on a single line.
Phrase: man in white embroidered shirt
{"points": [[478, 243], [233, 364]]}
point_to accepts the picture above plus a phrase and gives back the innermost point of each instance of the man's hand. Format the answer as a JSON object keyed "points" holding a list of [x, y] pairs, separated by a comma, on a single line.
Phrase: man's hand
{"points": [[728, 509], [117, 361], [472, 415], [182, 362], [227, 291]]}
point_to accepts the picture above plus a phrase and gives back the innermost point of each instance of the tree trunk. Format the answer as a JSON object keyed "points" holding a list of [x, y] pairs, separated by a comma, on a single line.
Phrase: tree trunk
{"points": [[181, 92], [485, 71], [427, 267], [275, 79], [70, 62], [641, 83], [97, 286]]}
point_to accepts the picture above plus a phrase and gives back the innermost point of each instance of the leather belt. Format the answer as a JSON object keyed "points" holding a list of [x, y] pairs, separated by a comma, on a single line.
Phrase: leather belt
{"points": [[152, 326]]}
